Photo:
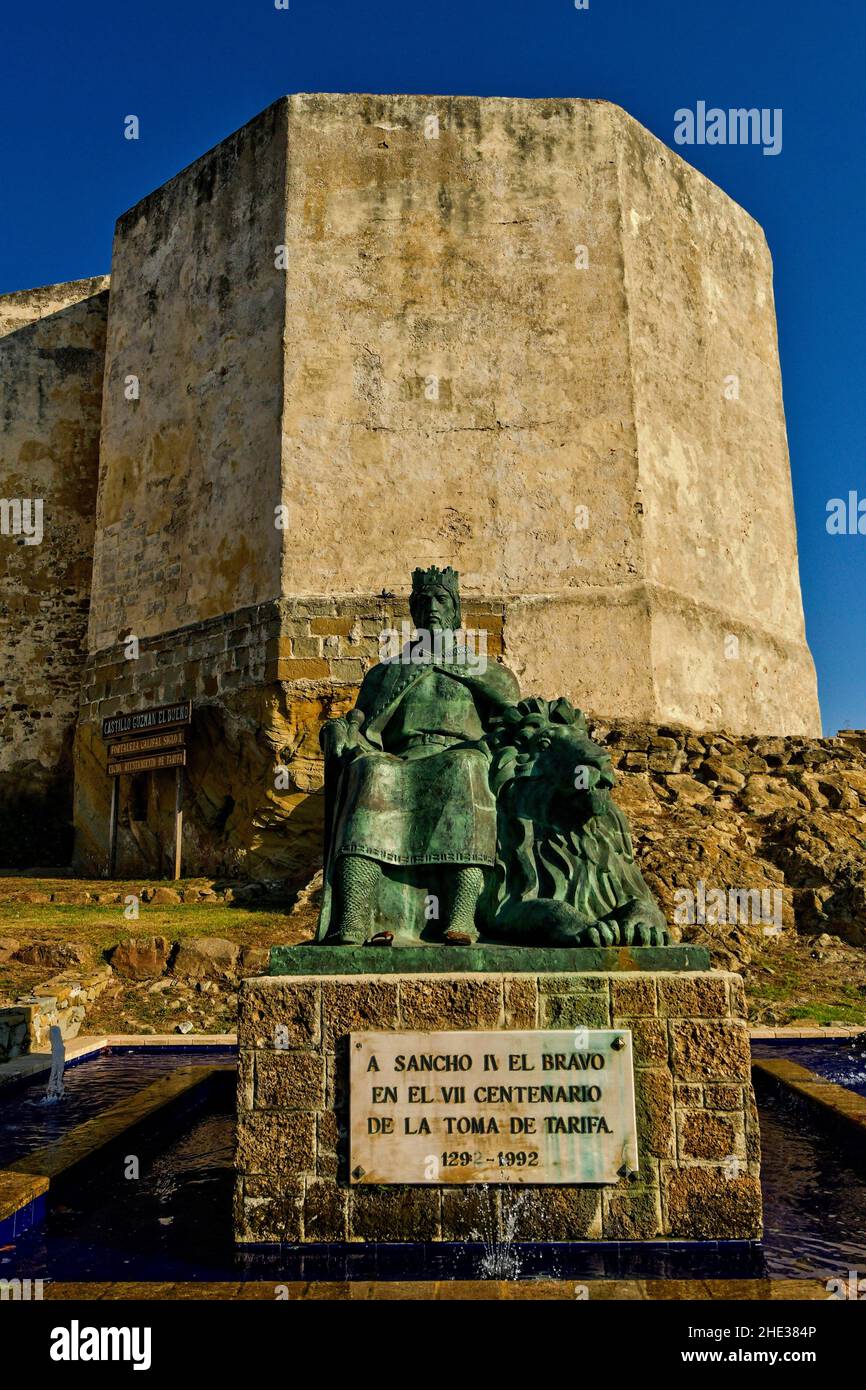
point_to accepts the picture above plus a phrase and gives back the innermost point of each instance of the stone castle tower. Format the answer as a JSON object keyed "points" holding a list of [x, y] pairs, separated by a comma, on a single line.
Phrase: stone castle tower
{"points": [[362, 334]]}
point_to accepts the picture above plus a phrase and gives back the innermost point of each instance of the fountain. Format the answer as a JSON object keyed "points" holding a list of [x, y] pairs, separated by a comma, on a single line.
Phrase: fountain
{"points": [[501, 1259], [54, 1091]]}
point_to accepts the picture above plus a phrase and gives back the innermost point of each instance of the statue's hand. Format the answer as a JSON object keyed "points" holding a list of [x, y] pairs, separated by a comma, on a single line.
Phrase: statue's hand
{"points": [[341, 735], [333, 737]]}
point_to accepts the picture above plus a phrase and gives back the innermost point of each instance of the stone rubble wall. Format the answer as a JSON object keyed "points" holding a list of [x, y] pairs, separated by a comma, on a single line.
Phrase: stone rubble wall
{"points": [[14, 1032], [782, 815], [698, 1141], [52, 348], [62, 1001]]}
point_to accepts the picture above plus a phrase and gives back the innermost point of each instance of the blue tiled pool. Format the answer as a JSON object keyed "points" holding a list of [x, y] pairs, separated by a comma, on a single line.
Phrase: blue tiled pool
{"points": [[174, 1221], [91, 1084], [842, 1060]]}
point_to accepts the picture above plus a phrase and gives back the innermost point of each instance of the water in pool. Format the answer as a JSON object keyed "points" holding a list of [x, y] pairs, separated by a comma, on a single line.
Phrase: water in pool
{"points": [[174, 1221], [89, 1086], [842, 1060]]}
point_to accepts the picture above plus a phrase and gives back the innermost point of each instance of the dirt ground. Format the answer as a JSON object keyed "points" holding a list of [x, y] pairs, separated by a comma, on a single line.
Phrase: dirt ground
{"points": [[117, 911], [789, 978], [814, 979]]}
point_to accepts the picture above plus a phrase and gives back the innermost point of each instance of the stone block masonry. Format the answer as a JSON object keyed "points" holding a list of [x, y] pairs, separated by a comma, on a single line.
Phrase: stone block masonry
{"points": [[62, 1002], [698, 1141], [503, 346], [365, 333], [263, 679], [52, 350]]}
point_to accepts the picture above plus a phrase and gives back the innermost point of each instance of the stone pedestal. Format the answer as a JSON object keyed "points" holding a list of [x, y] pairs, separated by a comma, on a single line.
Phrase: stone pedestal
{"points": [[697, 1126]]}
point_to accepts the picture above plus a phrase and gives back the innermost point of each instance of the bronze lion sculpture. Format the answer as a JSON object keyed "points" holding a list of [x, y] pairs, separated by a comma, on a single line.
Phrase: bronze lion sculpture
{"points": [[565, 872]]}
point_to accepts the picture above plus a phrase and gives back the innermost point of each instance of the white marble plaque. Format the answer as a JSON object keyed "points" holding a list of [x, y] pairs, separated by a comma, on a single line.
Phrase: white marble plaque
{"points": [[515, 1107]]}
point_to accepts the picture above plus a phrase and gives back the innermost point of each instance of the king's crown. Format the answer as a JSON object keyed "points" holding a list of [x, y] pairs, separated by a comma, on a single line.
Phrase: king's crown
{"points": [[423, 581]]}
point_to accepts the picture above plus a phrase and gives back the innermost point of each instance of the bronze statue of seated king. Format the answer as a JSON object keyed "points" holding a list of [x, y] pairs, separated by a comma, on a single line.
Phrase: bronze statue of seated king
{"points": [[455, 810]]}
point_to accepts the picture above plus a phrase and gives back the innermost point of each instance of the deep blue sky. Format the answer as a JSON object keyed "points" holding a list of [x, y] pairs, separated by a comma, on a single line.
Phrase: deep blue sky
{"points": [[193, 72]]}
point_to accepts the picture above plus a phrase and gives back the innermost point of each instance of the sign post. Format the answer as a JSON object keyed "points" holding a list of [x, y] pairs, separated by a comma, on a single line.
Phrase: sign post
{"points": [[178, 818], [148, 740], [112, 827]]}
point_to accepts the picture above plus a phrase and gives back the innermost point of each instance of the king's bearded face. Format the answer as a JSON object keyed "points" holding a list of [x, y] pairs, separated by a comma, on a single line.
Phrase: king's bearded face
{"points": [[433, 610]]}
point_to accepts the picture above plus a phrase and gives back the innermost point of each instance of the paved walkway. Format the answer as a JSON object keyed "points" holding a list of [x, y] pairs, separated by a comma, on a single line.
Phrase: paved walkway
{"points": [[563, 1290]]}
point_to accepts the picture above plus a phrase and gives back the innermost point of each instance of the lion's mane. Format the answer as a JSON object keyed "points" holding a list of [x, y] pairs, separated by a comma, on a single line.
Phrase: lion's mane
{"points": [[585, 859]]}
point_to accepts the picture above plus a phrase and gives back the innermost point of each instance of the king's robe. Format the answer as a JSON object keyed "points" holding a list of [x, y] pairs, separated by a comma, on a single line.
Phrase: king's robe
{"points": [[414, 789]]}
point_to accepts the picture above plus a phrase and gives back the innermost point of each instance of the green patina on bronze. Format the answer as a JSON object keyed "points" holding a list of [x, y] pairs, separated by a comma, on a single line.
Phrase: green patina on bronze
{"points": [[455, 809], [324, 959]]}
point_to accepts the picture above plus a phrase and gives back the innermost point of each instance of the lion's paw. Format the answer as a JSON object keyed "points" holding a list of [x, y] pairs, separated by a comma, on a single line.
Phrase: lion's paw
{"points": [[601, 934]]}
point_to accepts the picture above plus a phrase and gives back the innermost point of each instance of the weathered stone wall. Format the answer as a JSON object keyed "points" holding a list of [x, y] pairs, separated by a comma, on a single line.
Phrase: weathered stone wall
{"points": [[262, 680], [441, 403], [190, 469], [52, 345], [713, 454], [698, 1141], [436, 376], [456, 388]]}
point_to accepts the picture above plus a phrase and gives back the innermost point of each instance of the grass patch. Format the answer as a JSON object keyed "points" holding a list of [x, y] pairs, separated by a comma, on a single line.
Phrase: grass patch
{"points": [[104, 926], [828, 1013], [795, 981]]}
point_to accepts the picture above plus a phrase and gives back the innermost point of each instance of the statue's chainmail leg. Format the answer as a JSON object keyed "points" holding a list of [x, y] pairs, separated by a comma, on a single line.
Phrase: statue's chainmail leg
{"points": [[357, 878], [468, 883]]}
